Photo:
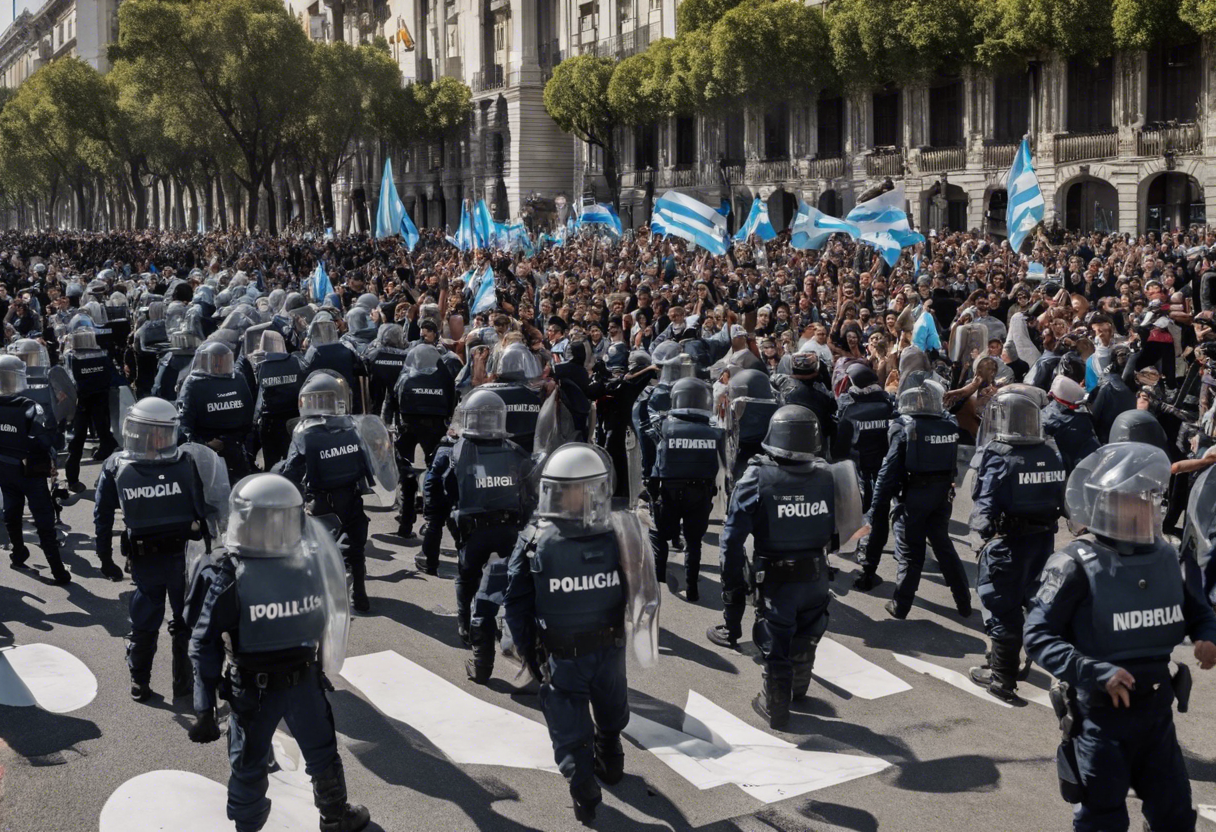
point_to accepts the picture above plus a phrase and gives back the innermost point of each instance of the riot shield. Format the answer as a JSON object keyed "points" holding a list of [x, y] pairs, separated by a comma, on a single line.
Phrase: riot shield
{"points": [[213, 472], [63, 388], [633, 459], [968, 338], [730, 424], [641, 587], [378, 448], [554, 426], [850, 516], [1200, 517], [967, 455], [122, 399], [327, 560]]}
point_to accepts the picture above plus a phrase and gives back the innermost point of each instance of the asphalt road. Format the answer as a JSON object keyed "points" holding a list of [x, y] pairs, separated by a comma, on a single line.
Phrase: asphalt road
{"points": [[956, 761]]}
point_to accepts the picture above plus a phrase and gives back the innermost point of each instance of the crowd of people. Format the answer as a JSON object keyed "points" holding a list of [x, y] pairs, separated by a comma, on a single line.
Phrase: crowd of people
{"points": [[818, 397]]}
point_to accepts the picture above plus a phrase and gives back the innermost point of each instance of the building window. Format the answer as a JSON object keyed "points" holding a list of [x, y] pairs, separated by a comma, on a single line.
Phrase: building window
{"points": [[734, 129], [646, 147], [1175, 78], [831, 128], [595, 158], [777, 132], [1011, 107], [1090, 95], [946, 115], [656, 5], [453, 42], [500, 35], [887, 131], [686, 140]]}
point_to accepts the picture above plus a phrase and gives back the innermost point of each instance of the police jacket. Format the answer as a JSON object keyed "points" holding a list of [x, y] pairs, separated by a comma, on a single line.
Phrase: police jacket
{"points": [[687, 447], [813, 395], [523, 408], [1097, 610], [24, 431], [1019, 482], [863, 422], [150, 340], [383, 368], [91, 370], [245, 369], [326, 454], [487, 478], [169, 371], [1044, 370], [1073, 431], [272, 613], [159, 499], [343, 361], [431, 395], [279, 378], [923, 453], [1111, 397], [214, 407]]}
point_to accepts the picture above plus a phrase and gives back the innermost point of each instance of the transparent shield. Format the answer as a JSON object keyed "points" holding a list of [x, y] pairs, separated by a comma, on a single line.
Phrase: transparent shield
{"points": [[641, 587], [327, 559], [213, 472], [64, 393], [378, 448], [850, 516]]}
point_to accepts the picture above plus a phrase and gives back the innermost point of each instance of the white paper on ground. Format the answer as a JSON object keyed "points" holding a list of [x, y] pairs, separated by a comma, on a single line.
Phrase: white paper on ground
{"points": [[182, 801], [463, 727], [948, 676], [840, 666], [46, 676], [716, 748]]}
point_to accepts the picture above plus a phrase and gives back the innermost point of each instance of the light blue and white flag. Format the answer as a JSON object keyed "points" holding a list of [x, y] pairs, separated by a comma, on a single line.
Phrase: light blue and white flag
{"points": [[724, 208], [757, 223], [485, 230], [600, 214], [689, 219], [812, 228], [518, 238], [485, 297], [320, 282], [464, 232], [391, 216], [1025, 210], [924, 334], [883, 223]]}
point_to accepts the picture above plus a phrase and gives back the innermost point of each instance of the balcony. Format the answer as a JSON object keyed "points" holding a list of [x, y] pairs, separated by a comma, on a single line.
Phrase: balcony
{"points": [[942, 159], [999, 155], [825, 168], [1080, 147], [490, 78], [773, 170], [1178, 139], [885, 161], [680, 176]]}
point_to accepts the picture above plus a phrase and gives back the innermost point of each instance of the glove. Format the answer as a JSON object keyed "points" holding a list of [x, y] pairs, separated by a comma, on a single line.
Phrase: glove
{"points": [[205, 729], [110, 569]]}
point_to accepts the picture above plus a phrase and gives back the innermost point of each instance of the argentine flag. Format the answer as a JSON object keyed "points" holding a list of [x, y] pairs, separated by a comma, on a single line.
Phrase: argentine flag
{"points": [[1025, 209], [391, 216], [757, 223], [485, 298], [678, 215], [464, 232], [883, 223], [518, 238], [812, 228], [483, 225], [601, 214], [321, 287]]}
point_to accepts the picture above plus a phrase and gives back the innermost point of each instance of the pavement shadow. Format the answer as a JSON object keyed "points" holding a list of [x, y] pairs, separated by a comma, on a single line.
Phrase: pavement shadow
{"points": [[845, 817], [693, 652], [44, 738], [928, 637], [17, 607], [439, 627], [949, 775]]}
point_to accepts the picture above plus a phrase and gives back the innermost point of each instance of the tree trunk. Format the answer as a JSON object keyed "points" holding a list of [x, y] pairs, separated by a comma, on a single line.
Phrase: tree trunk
{"points": [[329, 217], [221, 199], [209, 200], [179, 205], [192, 220], [272, 207]]}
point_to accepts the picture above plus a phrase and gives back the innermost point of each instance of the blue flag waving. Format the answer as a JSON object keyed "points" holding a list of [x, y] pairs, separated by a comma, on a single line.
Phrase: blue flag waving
{"points": [[464, 232], [320, 282], [883, 223], [601, 214], [757, 223], [689, 219], [391, 216], [812, 228], [1026, 205], [485, 297]]}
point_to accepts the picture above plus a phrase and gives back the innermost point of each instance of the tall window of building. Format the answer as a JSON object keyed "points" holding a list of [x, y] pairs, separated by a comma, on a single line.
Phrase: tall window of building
{"points": [[646, 147], [686, 140], [734, 133], [830, 127], [1175, 81], [1090, 95], [777, 132], [946, 114], [887, 132], [1011, 107]]}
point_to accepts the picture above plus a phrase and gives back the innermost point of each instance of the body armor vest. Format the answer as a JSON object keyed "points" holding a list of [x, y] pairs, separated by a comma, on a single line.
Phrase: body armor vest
{"points": [[159, 498], [796, 512], [578, 581]]}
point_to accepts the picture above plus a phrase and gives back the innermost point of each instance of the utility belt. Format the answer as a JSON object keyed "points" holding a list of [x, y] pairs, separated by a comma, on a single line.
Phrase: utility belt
{"points": [[271, 679], [805, 568], [424, 423], [34, 466], [922, 479], [154, 545], [564, 646], [1007, 525], [471, 524]]}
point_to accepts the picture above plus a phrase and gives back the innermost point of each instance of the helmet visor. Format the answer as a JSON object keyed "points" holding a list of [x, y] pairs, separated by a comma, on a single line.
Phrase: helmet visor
{"points": [[149, 440], [584, 502], [1016, 420]]}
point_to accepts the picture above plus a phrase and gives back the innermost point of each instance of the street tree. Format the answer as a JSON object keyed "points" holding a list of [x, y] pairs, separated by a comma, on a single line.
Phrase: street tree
{"points": [[576, 97], [752, 38]]}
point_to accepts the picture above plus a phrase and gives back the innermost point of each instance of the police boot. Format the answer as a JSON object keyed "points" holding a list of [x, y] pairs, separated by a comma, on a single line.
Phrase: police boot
{"points": [[50, 548], [19, 553], [773, 701], [867, 580], [693, 592], [720, 635], [586, 796], [183, 673], [141, 648], [358, 574], [1000, 677], [804, 663], [481, 667], [609, 758], [329, 795]]}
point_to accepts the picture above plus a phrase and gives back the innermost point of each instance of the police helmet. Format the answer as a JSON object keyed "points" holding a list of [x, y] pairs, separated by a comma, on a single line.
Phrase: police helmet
{"points": [[156, 310], [96, 311], [793, 433], [639, 360], [272, 342], [12, 375], [359, 323], [84, 339], [74, 290], [324, 393], [118, 300], [861, 376], [31, 353], [666, 351], [1116, 492], [804, 363], [422, 358], [223, 298], [323, 330], [150, 430], [923, 399], [576, 487], [518, 363], [81, 321], [213, 359], [750, 384], [368, 301], [391, 335], [275, 300], [617, 356], [1015, 419], [691, 395], [293, 302], [680, 367], [481, 415], [1066, 391], [265, 517], [1138, 426], [183, 339]]}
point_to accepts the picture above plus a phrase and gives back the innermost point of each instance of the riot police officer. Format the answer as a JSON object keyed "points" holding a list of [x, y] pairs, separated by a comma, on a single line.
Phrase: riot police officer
{"points": [[484, 480], [689, 454], [150, 340], [91, 369], [918, 474], [1065, 421], [1139, 426], [1110, 610], [863, 422], [654, 401], [384, 360], [327, 459], [752, 405], [617, 389], [175, 364], [807, 383], [161, 495], [360, 331], [1018, 497], [216, 408], [279, 378], [327, 352], [264, 631], [26, 461], [424, 397], [788, 500], [516, 375], [1112, 396], [565, 607], [51, 387]]}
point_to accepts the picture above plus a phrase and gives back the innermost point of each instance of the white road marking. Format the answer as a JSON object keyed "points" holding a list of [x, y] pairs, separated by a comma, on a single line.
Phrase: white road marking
{"points": [[46, 676], [950, 677], [1207, 813], [716, 748], [466, 729], [840, 666]]}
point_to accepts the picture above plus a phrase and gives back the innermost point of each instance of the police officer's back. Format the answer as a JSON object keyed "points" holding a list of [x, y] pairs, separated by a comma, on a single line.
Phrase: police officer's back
{"points": [[1110, 610], [384, 359], [175, 364], [327, 352], [216, 407], [1065, 421], [753, 403], [807, 384], [517, 373], [92, 370], [423, 398], [280, 375], [150, 340]]}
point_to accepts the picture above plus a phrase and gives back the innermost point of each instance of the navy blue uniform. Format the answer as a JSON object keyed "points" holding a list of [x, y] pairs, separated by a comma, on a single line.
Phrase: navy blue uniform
{"points": [[863, 435], [423, 405], [523, 407], [343, 361], [218, 407], [163, 508], [1098, 610], [150, 340], [279, 378], [789, 509], [652, 404], [169, 371], [26, 448], [92, 371], [1073, 431], [1111, 397], [751, 427], [918, 474], [688, 452]]}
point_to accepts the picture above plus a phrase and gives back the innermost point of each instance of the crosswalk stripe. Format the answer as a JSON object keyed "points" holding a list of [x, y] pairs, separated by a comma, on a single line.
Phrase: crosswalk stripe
{"points": [[1208, 813], [716, 748], [839, 666], [948, 676], [466, 729], [46, 676]]}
